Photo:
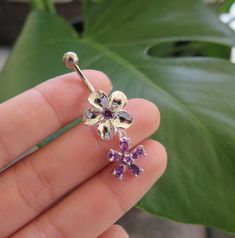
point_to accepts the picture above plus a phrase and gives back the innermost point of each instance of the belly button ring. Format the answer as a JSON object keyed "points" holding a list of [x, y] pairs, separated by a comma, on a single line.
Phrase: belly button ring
{"points": [[111, 120]]}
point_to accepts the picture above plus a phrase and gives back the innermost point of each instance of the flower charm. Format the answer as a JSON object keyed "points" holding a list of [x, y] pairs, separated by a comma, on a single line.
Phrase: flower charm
{"points": [[126, 158], [107, 113]]}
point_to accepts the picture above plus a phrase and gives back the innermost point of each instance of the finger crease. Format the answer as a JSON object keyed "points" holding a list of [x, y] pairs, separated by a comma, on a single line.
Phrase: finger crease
{"points": [[5, 154], [116, 195], [27, 193], [48, 230], [50, 104]]}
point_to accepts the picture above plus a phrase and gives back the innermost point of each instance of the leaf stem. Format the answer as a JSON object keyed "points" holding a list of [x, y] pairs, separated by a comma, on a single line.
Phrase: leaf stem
{"points": [[49, 6], [37, 4], [44, 5]]}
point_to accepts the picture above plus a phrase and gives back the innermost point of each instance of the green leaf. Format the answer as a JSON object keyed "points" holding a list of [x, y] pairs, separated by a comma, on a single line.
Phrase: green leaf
{"points": [[190, 48], [45, 5], [195, 94], [38, 4], [225, 6]]}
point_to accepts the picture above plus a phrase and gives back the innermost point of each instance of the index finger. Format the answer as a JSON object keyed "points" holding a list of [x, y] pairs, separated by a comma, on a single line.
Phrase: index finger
{"points": [[35, 114]]}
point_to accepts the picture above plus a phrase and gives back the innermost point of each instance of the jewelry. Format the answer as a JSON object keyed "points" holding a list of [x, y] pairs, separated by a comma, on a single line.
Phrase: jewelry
{"points": [[108, 114]]}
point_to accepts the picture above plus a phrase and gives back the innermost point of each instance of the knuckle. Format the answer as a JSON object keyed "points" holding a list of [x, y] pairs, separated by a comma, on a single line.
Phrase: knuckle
{"points": [[33, 185], [116, 194], [37, 230], [5, 155], [50, 100], [46, 228]]}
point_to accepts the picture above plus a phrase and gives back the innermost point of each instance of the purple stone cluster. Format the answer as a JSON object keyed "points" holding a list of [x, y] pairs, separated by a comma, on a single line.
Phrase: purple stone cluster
{"points": [[125, 159]]}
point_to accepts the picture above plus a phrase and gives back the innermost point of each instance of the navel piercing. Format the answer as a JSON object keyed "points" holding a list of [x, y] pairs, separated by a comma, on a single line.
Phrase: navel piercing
{"points": [[111, 120]]}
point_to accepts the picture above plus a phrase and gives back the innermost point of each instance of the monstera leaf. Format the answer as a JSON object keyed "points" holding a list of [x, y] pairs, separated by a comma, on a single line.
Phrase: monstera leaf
{"points": [[196, 95]]}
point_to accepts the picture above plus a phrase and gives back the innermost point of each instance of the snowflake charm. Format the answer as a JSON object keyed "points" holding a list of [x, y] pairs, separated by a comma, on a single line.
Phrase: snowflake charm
{"points": [[107, 113], [126, 158]]}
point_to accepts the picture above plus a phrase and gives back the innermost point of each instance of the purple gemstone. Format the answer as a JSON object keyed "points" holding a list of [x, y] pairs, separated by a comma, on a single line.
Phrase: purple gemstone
{"points": [[138, 152], [108, 114], [114, 155], [119, 171], [127, 159], [124, 144], [135, 170]]}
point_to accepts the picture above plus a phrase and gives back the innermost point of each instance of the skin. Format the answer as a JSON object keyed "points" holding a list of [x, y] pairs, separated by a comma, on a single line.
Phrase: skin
{"points": [[65, 189]]}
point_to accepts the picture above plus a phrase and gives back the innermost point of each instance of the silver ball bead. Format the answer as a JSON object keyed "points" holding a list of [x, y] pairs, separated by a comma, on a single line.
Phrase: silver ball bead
{"points": [[70, 59]]}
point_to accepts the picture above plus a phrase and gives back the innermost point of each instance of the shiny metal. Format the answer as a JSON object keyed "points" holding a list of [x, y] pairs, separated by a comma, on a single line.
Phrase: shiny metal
{"points": [[123, 119], [92, 117], [105, 130], [117, 101], [99, 100], [121, 133], [71, 60]]}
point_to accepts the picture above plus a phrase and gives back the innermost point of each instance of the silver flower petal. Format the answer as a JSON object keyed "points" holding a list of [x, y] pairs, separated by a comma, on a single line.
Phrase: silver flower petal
{"points": [[92, 117], [122, 120], [105, 130], [98, 99], [117, 101]]}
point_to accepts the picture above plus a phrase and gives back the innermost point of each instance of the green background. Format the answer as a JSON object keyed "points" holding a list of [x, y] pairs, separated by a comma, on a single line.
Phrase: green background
{"points": [[130, 41]]}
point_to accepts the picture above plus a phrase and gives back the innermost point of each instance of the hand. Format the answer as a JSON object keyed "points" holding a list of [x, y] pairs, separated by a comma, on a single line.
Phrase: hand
{"points": [[65, 189]]}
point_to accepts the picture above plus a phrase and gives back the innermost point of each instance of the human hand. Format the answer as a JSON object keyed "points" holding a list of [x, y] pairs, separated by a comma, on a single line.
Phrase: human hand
{"points": [[65, 189]]}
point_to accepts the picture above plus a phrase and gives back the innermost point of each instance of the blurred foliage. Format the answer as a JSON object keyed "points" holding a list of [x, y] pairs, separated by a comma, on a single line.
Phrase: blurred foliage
{"points": [[225, 6], [190, 48], [220, 6]]}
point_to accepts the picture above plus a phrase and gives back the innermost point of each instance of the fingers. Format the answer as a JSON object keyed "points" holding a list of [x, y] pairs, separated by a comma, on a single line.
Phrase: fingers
{"points": [[99, 202], [115, 231], [33, 115], [62, 165]]}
